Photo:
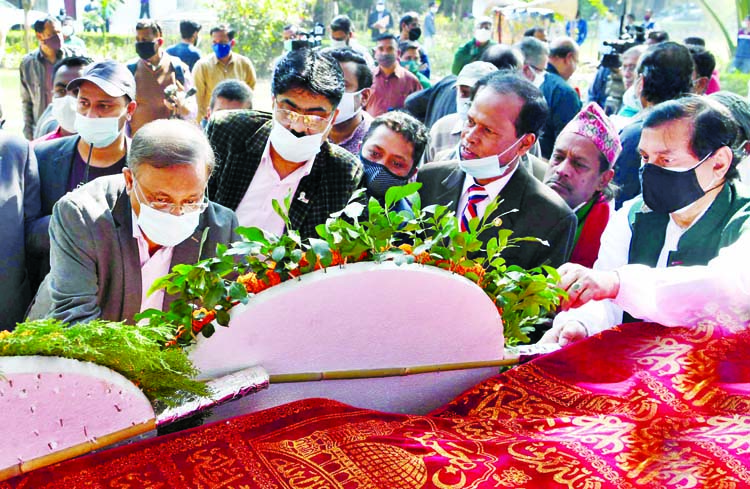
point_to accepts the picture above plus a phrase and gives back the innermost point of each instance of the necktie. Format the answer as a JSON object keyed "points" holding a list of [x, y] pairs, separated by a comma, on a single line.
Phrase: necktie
{"points": [[477, 194]]}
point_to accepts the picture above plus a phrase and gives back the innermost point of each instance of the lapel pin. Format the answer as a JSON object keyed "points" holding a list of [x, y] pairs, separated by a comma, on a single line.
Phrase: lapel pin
{"points": [[302, 198]]}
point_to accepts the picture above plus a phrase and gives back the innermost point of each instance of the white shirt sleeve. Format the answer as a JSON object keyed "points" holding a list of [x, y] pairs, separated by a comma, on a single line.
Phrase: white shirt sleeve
{"points": [[682, 296], [597, 316]]}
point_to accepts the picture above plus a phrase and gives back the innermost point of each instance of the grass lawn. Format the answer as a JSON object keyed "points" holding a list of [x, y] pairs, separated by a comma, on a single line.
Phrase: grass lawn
{"points": [[10, 100]]}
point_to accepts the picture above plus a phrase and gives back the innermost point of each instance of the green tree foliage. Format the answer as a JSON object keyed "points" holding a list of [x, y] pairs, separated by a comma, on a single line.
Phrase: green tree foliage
{"points": [[259, 25]]}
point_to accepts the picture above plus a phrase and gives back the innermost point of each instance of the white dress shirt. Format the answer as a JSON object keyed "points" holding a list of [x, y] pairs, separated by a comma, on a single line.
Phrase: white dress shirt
{"points": [[255, 208], [597, 316], [493, 189], [683, 296], [152, 268]]}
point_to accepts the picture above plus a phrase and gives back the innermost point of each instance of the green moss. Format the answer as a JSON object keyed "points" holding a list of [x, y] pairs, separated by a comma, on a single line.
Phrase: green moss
{"points": [[136, 352]]}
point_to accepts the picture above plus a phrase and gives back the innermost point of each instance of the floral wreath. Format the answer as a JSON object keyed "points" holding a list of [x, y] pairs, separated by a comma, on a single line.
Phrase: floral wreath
{"points": [[361, 232]]}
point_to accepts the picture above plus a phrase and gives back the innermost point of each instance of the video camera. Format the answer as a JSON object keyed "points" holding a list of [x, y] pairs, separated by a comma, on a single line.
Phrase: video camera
{"points": [[311, 39], [612, 59]]}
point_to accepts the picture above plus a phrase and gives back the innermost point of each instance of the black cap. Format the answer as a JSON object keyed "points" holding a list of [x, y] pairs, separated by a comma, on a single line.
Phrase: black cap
{"points": [[114, 78]]}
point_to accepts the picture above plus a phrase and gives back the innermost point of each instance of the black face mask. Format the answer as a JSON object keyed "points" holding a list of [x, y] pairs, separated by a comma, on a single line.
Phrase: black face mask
{"points": [[666, 191], [415, 33], [378, 179], [145, 49]]}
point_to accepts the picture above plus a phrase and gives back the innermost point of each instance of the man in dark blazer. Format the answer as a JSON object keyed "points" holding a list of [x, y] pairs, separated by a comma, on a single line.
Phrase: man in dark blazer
{"points": [[504, 119], [264, 157], [114, 236], [106, 93], [19, 204]]}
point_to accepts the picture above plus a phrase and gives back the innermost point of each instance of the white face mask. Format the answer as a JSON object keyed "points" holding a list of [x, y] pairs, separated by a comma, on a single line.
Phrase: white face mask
{"points": [[338, 43], [67, 30], [538, 78], [293, 148], [489, 166], [349, 106], [163, 228], [64, 112], [98, 132], [462, 106], [380, 7], [482, 35]]}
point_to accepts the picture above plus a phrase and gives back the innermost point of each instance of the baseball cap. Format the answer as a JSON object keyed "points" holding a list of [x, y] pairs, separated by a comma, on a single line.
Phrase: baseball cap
{"points": [[472, 72], [114, 78]]}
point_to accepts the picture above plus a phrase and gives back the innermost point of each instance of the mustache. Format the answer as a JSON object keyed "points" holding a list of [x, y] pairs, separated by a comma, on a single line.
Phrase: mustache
{"points": [[559, 182]]}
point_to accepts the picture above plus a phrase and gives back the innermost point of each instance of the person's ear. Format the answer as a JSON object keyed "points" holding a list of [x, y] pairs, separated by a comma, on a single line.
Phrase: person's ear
{"points": [[232, 42], [604, 179], [365, 96], [160, 42], [722, 162], [131, 108], [527, 142], [700, 85], [128, 174]]}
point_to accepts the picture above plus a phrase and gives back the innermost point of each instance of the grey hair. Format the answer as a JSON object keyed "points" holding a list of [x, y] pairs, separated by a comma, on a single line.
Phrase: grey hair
{"points": [[533, 50], [167, 142]]}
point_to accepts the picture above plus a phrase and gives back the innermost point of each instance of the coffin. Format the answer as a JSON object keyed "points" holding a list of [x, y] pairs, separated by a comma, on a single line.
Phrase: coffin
{"points": [[363, 316]]}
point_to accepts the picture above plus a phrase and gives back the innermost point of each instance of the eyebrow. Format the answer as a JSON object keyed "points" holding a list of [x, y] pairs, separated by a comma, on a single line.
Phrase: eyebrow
{"points": [[662, 152], [308, 109]]}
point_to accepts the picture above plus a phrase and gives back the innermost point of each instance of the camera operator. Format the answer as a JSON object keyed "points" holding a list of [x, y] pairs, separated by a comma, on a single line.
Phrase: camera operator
{"points": [[616, 73]]}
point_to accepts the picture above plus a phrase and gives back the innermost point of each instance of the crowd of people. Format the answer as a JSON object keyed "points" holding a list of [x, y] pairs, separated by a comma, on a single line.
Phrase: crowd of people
{"points": [[636, 195]]}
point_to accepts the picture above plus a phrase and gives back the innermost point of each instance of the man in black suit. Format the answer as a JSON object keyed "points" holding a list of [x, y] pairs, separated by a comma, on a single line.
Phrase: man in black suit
{"points": [[503, 121], [264, 157]]}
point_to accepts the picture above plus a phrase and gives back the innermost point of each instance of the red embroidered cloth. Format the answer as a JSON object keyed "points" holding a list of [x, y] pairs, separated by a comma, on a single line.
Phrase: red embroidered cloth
{"points": [[641, 406]]}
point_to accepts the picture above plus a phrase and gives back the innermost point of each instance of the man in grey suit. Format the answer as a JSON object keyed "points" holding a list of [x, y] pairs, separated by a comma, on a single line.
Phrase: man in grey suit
{"points": [[111, 238], [503, 122], [19, 204]]}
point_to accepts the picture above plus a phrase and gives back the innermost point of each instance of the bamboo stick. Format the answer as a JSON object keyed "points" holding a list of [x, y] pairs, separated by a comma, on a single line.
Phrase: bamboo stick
{"points": [[76, 450], [387, 372]]}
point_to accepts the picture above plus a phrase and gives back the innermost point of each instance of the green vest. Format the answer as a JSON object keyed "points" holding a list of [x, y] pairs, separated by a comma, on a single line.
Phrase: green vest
{"points": [[721, 225]]}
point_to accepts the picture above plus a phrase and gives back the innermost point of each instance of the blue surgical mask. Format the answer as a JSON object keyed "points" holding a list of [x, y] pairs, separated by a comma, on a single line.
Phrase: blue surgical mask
{"points": [[222, 50]]}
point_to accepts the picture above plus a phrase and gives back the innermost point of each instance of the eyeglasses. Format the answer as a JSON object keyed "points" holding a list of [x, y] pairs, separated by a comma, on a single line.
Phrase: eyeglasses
{"points": [[536, 68], [169, 207], [315, 123]]}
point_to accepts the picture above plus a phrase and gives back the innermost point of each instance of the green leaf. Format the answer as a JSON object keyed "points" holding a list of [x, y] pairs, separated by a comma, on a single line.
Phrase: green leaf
{"points": [[208, 330], [237, 291], [222, 317], [396, 193], [322, 250], [252, 234], [278, 253]]}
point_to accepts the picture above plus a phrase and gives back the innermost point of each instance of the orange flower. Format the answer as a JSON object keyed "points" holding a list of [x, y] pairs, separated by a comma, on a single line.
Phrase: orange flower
{"points": [[250, 281], [337, 259], [406, 248], [272, 278]]}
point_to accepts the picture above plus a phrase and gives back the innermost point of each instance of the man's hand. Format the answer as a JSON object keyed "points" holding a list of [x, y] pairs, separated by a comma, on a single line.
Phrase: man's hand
{"points": [[565, 334], [584, 284]]}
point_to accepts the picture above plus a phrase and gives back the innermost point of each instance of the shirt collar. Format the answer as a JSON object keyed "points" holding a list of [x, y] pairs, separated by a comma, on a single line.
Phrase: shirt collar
{"points": [[493, 188]]}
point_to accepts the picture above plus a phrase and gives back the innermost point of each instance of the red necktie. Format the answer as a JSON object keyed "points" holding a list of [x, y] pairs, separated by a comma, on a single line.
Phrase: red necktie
{"points": [[477, 194]]}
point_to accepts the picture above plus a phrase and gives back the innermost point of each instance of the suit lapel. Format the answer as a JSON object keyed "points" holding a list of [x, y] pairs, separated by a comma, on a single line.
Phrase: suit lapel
{"points": [[59, 178], [131, 265], [511, 196], [304, 197], [451, 188]]}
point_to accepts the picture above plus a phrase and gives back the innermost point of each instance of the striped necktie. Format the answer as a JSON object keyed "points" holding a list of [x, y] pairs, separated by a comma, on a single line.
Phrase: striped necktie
{"points": [[477, 194]]}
